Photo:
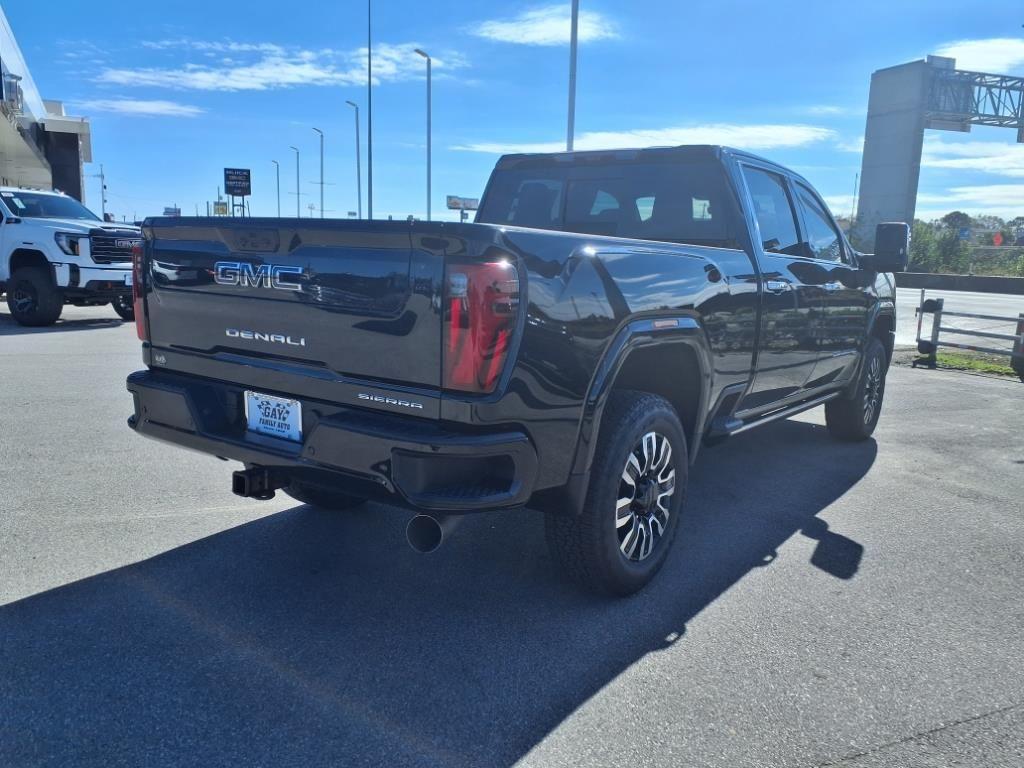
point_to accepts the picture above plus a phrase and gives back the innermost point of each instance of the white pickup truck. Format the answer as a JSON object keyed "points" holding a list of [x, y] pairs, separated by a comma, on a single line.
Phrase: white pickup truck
{"points": [[55, 251]]}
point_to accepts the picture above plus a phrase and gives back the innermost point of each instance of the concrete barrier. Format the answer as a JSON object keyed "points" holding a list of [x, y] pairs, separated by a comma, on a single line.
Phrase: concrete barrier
{"points": [[976, 283]]}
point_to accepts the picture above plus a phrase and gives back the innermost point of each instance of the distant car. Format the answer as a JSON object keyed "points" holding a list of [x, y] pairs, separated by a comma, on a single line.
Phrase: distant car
{"points": [[55, 251]]}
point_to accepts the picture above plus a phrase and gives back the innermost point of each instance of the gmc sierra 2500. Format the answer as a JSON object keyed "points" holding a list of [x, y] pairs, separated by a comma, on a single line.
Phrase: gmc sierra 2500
{"points": [[606, 314], [55, 251]]}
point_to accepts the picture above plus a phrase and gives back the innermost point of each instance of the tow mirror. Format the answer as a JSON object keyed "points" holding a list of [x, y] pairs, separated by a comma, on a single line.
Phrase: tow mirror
{"points": [[892, 248]]}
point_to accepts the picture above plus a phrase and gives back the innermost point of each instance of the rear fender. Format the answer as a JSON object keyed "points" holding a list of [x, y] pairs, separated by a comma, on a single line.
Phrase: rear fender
{"points": [[675, 334]]}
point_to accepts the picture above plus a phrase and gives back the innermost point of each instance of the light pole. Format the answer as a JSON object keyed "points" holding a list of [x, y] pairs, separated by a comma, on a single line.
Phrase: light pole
{"points": [[369, 113], [298, 189], [426, 56], [359, 179], [103, 191], [321, 134], [572, 74], [277, 172]]}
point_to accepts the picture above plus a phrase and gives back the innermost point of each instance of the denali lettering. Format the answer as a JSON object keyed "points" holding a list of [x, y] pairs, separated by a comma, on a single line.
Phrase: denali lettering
{"points": [[390, 401], [264, 276], [273, 338]]}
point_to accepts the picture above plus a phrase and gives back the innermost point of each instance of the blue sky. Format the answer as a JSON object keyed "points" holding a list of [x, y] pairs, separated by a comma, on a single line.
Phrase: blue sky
{"points": [[177, 91]]}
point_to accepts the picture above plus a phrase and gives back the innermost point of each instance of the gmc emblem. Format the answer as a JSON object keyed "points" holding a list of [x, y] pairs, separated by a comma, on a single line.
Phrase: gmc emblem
{"points": [[264, 276], [126, 245]]}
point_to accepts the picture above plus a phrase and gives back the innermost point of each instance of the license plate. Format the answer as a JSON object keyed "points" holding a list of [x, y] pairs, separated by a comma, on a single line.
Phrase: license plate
{"points": [[273, 416]]}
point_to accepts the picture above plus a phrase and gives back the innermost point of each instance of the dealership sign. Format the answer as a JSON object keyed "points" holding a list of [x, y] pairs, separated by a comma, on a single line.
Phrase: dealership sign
{"points": [[237, 182]]}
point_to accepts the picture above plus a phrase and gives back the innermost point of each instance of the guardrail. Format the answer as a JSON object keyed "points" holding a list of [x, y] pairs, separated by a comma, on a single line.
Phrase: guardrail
{"points": [[930, 346]]}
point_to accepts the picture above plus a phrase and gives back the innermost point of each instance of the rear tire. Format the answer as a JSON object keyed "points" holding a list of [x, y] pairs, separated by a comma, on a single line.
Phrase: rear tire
{"points": [[623, 535], [124, 306], [32, 298], [323, 498], [854, 419]]}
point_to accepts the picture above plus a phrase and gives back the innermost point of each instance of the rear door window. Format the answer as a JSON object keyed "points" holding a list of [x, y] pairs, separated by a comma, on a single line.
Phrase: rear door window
{"points": [[776, 218]]}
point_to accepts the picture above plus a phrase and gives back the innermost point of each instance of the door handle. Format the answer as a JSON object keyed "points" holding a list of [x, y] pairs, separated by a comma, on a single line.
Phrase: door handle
{"points": [[777, 286]]}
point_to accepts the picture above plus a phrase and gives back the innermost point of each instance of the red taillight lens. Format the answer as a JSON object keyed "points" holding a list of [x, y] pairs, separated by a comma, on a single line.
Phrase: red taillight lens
{"points": [[482, 304], [137, 288]]}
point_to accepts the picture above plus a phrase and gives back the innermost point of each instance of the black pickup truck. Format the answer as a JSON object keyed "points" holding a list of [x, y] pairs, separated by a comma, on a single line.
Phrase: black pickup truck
{"points": [[606, 314]]}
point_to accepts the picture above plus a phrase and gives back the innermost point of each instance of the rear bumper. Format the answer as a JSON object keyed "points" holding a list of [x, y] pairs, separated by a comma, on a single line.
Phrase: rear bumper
{"points": [[414, 461]]}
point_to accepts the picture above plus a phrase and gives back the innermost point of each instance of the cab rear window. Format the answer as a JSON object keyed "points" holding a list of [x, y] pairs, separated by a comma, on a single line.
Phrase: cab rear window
{"points": [[672, 202]]}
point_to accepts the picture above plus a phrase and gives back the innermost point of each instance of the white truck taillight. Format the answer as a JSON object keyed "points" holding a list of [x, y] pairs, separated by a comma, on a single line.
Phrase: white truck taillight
{"points": [[137, 290], [482, 302]]}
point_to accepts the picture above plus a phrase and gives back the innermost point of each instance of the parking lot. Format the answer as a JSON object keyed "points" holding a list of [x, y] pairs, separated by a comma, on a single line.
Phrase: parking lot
{"points": [[826, 603]]}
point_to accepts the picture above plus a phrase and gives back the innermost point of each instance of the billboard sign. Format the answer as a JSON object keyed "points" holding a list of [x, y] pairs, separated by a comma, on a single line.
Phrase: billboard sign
{"points": [[220, 208], [169, 211], [237, 182], [463, 203]]}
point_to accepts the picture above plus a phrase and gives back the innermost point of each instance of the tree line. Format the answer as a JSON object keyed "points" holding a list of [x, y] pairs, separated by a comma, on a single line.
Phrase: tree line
{"points": [[938, 246]]}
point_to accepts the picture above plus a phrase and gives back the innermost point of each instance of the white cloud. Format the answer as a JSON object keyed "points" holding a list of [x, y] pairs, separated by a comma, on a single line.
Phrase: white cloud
{"points": [[140, 108], [267, 66], [855, 145], [1000, 158], [1004, 200], [212, 46], [743, 136], [549, 25], [996, 55], [840, 205], [827, 110]]}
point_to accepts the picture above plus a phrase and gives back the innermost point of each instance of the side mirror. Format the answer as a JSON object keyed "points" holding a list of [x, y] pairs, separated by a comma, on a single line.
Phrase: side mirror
{"points": [[892, 248]]}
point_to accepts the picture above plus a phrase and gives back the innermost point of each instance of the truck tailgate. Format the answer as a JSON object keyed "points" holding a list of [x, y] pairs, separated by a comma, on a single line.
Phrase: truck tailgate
{"points": [[318, 309]]}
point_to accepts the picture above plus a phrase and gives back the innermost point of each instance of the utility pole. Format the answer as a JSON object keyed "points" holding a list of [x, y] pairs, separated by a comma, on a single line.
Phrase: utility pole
{"points": [[277, 171], [321, 134], [853, 210], [298, 190], [369, 112], [359, 180], [426, 56], [103, 190], [572, 74]]}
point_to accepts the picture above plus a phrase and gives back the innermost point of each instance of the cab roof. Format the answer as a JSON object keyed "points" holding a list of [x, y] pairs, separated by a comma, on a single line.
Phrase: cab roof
{"points": [[679, 153]]}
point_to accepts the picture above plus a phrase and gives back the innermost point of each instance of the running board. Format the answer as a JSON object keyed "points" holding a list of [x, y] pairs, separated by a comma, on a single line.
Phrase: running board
{"points": [[736, 426]]}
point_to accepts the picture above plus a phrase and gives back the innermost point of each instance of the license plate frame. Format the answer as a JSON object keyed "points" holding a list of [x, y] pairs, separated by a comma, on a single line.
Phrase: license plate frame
{"points": [[273, 416]]}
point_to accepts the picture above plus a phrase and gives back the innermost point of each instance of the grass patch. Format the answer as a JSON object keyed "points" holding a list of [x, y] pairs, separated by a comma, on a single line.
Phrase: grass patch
{"points": [[977, 362]]}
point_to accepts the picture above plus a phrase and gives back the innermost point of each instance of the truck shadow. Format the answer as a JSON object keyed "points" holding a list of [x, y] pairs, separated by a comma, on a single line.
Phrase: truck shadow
{"points": [[306, 638], [8, 326]]}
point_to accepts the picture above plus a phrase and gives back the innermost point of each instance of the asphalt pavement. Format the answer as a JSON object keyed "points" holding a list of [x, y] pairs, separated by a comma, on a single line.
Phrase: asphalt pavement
{"points": [[825, 604], [996, 304]]}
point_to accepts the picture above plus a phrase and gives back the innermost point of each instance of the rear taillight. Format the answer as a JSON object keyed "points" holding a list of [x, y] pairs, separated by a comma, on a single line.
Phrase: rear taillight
{"points": [[482, 302], [137, 289]]}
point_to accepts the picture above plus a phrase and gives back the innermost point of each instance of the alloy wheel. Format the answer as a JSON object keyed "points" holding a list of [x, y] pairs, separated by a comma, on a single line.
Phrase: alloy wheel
{"points": [[24, 298], [645, 494], [872, 389]]}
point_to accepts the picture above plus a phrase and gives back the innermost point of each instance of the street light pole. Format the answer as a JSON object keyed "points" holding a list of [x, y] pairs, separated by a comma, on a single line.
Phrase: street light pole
{"points": [[426, 56], [369, 112], [359, 179], [298, 189], [572, 75], [277, 172], [321, 133], [103, 191]]}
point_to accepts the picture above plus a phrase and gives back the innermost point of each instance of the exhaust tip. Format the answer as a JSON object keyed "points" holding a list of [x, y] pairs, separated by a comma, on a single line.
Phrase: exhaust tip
{"points": [[424, 533]]}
